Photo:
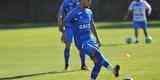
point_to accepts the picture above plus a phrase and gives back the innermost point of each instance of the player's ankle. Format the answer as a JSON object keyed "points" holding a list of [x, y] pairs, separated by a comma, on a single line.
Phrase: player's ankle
{"points": [[92, 79], [110, 68]]}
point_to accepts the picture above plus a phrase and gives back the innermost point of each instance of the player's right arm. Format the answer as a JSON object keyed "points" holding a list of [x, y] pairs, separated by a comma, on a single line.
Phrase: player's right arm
{"points": [[60, 18], [130, 10], [67, 20]]}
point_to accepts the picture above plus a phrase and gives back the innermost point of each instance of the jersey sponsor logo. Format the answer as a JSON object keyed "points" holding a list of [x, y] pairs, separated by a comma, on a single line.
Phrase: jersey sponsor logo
{"points": [[84, 26]]}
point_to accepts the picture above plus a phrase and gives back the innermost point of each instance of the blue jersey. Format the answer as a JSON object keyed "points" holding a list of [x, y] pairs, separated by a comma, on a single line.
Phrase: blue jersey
{"points": [[67, 6], [139, 10], [81, 20]]}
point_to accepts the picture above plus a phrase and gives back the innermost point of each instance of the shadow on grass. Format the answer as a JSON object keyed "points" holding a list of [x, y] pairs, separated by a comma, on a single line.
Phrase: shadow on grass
{"points": [[37, 74], [113, 44]]}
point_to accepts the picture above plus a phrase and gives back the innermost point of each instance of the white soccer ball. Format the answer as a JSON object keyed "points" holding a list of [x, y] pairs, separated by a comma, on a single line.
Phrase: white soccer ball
{"points": [[130, 40], [128, 78], [148, 40]]}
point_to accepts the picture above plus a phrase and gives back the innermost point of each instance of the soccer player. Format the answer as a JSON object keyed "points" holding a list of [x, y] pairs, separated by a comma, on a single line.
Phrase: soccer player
{"points": [[81, 20], [65, 8], [139, 8]]}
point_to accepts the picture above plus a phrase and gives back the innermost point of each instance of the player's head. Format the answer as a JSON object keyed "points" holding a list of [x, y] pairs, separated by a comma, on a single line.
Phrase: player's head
{"points": [[138, 0], [85, 3]]}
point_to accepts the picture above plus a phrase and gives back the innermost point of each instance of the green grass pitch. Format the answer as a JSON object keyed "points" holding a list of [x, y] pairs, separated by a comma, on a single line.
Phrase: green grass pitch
{"points": [[37, 54]]}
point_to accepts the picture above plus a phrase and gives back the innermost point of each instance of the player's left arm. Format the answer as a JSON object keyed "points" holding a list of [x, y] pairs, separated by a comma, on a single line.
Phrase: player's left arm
{"points": [[68, 18], [93, 28], [129, 12], [148, 7]]}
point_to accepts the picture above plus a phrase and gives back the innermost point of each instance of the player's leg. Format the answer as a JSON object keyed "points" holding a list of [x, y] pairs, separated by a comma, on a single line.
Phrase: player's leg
{"points": [[144, 26], [82, 58], [99, 61], [148, 38], [87, 48], [68, 41], [95, 71], [67, 55], [136, 33], [145, 32], [81, 53]]}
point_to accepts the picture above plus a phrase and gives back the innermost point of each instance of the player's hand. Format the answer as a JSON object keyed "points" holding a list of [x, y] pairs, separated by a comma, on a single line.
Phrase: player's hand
{"points": [[63, 39], [99, 43], [125, 17], [149, 13], [61, 29], [60, 24]]}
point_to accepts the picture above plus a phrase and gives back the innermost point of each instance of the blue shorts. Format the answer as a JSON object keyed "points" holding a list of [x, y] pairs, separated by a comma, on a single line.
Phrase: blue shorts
{"points": [[69, 34], [77, 43], [140, 24], [88, 47]]}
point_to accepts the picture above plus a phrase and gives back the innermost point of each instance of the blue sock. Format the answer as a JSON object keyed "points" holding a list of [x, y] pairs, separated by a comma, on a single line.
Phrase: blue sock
{"points": [[95, 71], [82, 57], [66, 55]]}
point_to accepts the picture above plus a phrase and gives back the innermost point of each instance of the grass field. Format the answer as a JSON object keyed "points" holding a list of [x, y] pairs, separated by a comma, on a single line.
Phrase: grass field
{"points": [[37, 54]]}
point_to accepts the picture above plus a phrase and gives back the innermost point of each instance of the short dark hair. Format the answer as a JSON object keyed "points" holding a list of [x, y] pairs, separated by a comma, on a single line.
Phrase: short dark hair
{"points": [[138, 0]]}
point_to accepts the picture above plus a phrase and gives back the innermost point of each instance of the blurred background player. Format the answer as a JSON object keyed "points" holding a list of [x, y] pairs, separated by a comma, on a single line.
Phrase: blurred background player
{"points": [[81, 20], [65, 8], [138, 8]]}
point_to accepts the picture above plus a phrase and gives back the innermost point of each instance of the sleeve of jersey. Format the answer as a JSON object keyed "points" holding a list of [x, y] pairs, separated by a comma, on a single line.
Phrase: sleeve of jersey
{"points": [[92, 17], [131, 6], [61, 10], [69, 17], [147, 6]]}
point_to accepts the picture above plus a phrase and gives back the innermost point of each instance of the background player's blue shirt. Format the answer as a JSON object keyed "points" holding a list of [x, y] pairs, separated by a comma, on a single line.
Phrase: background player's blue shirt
{"points": [[67, 6], [81, 20]]}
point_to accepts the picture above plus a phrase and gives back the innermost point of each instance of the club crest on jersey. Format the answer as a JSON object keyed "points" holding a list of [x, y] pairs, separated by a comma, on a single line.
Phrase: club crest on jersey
{"points": [[79, 13]]}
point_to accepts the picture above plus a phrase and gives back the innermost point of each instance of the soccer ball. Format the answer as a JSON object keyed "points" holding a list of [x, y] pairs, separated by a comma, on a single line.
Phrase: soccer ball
{"points": [[130, 40], [148, 40], [128, 78]]}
